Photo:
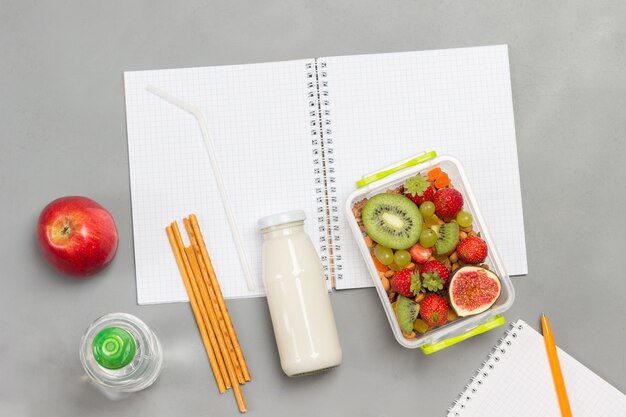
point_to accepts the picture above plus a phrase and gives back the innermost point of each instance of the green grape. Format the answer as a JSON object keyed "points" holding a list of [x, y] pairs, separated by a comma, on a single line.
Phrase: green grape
{"points": [[427, 208], [394, 267], [464, 218], [402, 258], [431, 221], [383, 254], [428, 238]]}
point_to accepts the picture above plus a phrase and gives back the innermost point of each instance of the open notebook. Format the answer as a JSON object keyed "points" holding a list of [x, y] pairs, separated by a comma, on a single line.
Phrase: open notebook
{"points": [[516, 381], [297, 135]]}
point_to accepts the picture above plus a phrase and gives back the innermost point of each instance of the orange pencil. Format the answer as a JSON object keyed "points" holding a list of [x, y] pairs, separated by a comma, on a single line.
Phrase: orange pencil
{"points": [[555, 367]]}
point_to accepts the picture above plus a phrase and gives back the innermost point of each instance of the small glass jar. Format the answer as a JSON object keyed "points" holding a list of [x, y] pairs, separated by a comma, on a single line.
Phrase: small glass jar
{"points": [[121, 354], [297, 296]]}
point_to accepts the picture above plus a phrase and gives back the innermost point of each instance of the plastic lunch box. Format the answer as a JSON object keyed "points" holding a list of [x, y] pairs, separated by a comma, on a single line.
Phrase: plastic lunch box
{"points": [[464, 327]]}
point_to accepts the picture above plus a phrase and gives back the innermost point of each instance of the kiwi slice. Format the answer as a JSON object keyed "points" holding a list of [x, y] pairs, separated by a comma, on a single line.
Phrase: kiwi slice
{"points": [[448, 238], [392, 220], [407, 311]]}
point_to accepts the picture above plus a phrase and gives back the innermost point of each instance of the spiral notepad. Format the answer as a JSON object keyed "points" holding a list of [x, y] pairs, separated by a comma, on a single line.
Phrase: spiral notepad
{"points": [[297, 135], [515, 380]]}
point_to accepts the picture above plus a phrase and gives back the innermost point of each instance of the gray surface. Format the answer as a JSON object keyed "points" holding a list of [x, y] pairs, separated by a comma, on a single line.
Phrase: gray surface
{"points": [[62, 132]]}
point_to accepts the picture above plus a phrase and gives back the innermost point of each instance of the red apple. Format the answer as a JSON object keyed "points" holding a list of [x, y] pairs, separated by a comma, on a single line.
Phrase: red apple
{"points": [[77, 236]]}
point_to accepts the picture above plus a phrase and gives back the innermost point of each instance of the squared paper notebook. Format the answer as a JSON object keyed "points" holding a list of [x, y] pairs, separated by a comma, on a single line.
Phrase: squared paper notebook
{"points": [[297, 135], [515, 381]]}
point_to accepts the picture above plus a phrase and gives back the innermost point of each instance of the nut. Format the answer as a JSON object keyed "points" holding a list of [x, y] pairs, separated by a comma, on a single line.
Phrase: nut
{"points": [[485, 266], [462, 235], [455, 266], [390, 273], [362, 227], [467, 229], [420, 297], [409, 335], [392, 296], [452, 315], [381, 275], [454, 257], [473, 233], [411, 266], [368, 241], [386, 284]]}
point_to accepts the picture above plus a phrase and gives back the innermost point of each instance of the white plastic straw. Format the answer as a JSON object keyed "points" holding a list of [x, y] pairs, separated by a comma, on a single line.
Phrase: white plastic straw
{"points": [[208, 142]]}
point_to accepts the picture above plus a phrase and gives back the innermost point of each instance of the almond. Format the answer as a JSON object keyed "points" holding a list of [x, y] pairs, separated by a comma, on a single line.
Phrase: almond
{"points": [[409, 335], [386, 284], [452, 315]]}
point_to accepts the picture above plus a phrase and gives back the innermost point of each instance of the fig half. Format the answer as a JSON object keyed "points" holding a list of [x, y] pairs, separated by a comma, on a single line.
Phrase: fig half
{"points": [[473, 289]]}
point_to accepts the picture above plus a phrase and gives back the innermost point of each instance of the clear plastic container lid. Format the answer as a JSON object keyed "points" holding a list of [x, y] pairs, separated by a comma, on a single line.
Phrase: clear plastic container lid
{"points": [[462, 328]]}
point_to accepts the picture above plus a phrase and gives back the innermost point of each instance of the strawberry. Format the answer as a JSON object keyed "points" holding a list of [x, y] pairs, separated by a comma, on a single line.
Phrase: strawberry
{"points": [[426, 196], [448, 202], [416, 187], [419, 253], [434, 310], [435, 267], [472, 250], [404, 282]]}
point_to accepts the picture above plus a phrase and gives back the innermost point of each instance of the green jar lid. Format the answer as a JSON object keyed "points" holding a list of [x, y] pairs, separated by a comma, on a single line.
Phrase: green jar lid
{"points": [[113, 348]]}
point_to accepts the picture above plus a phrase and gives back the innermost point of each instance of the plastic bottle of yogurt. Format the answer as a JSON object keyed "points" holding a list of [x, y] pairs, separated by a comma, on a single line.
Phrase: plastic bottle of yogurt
{"points": [[302, 316]]}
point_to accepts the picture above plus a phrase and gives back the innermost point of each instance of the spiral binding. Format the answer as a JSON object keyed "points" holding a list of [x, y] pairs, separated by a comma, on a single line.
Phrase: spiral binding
{"points": [[324, 169], [483, 372]]}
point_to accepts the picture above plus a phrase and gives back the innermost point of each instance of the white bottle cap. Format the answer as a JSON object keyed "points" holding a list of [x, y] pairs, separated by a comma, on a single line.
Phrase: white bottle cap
{"points": [[281, 218]]}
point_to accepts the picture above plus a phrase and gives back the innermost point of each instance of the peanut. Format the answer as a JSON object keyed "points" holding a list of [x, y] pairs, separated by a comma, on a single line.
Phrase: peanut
{"points": [[473, 233], [381, 275], [411, 266], [386, 284], [485, 266], [368, 241], [467, 229], [392, 296], [462, 235], [390, 273], [362, 227], [454, 257], [455, 266], [420, 297]]}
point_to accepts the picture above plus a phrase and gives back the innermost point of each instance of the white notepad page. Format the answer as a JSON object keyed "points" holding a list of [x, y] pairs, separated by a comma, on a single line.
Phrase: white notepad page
{"points": [[259, 119], [519, 383], [387, 107]]}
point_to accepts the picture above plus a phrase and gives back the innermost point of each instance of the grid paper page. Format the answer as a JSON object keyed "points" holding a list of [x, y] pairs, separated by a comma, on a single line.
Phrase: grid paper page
{"points": [[387, 107], [519, 383], [258, 117]]}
